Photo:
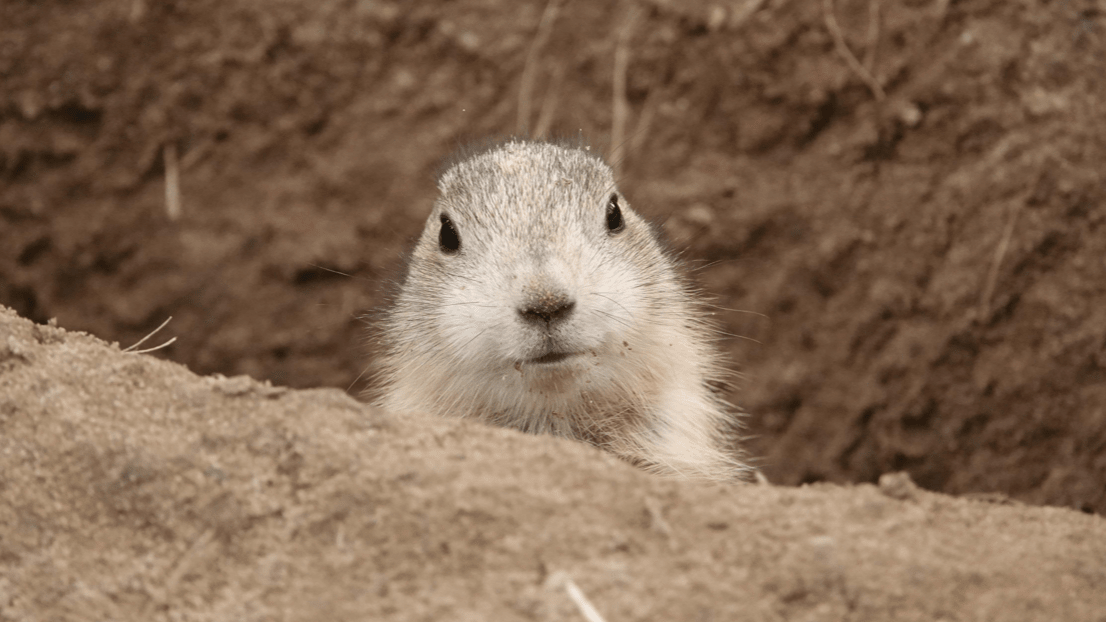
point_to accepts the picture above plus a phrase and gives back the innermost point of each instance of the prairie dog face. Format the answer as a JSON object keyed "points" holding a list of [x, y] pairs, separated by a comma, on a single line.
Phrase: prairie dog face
{"points": [[537, 299], [533, 267]]}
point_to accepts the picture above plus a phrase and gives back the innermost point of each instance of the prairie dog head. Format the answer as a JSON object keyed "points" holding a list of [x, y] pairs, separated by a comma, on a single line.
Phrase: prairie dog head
{"points": [[536, 298]]}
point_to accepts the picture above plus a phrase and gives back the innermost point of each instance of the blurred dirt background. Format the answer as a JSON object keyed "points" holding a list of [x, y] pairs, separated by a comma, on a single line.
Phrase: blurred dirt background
{"points": [[899, 206]]}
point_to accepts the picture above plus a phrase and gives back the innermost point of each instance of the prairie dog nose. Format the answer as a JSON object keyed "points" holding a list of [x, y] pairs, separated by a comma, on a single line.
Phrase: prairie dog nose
{"points": [[546, 308]]}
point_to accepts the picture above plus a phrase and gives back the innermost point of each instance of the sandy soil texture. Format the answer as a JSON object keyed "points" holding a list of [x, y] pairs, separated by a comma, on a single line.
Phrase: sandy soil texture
{"points": [[136, 490], [899, 207]]}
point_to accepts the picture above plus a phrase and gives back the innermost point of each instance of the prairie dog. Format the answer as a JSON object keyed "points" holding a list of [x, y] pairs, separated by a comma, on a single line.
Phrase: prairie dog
{"points": [[536, 299]]}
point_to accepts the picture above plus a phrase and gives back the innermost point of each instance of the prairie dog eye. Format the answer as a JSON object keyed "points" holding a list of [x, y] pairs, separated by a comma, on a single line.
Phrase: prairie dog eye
{"points": [[448, 240], [615, 222]]}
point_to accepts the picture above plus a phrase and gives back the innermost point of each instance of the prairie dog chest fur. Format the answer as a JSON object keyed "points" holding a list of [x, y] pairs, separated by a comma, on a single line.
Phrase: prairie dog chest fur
{"points": [[537, 299]]}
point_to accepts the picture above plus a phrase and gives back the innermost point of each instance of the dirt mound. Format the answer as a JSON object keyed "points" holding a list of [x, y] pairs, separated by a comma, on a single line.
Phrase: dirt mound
{"points": [[910, 233], [135, 490]]}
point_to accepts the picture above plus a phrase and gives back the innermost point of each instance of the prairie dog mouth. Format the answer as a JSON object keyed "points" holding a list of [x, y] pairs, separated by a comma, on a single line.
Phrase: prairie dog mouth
{"points": [[550, 358]]}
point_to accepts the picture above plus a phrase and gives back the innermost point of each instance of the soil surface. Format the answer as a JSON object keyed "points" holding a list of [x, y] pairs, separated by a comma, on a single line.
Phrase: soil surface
{"points": [[136, 490], [898, 207]]}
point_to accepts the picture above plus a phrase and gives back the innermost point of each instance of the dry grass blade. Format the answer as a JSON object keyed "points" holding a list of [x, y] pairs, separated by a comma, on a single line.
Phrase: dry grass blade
{"points": [[581, 601], [131, 349]]}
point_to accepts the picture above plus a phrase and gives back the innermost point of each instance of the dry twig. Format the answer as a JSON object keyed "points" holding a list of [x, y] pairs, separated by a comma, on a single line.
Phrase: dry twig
{"points": [[745, 12], [844, 51], [526, 82], [619, 105], [993, 273], [172, 182], [645, 119], [873, 37], [549, 104]]}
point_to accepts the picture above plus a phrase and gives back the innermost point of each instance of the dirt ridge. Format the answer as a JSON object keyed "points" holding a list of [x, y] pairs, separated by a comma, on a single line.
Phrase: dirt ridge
{"points": [[136, 490]]}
